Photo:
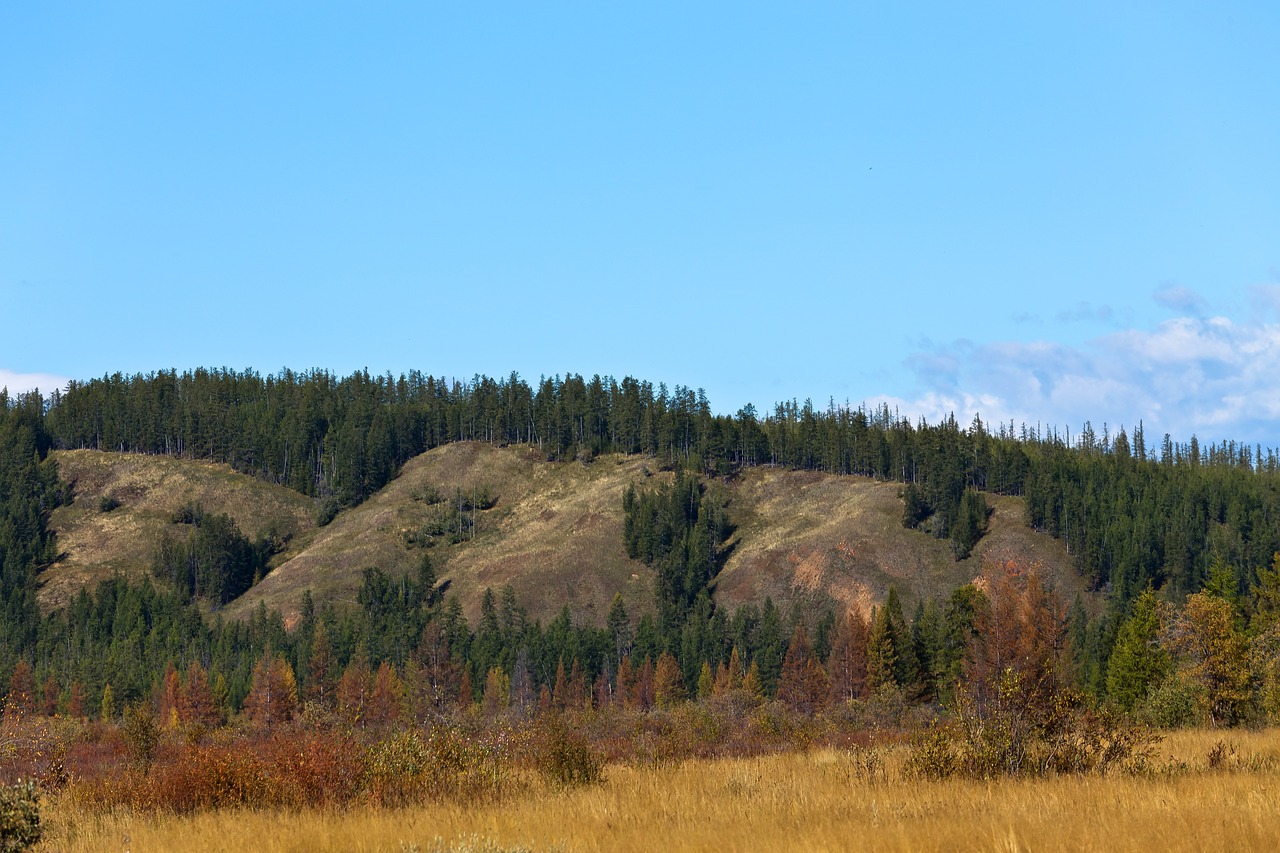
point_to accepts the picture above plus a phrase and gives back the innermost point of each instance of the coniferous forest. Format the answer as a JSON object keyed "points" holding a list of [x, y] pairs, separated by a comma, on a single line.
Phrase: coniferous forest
{"points": [[1179, 540]]}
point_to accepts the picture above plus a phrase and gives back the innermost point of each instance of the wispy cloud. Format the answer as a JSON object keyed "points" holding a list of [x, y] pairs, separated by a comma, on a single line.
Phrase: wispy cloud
{"points": [[1180, 299], [1214, 377], [19, 383], [1083, 312]]}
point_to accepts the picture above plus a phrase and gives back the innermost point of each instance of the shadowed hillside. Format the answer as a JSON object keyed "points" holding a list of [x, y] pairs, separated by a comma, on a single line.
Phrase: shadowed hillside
{"points": [[553, 530]]}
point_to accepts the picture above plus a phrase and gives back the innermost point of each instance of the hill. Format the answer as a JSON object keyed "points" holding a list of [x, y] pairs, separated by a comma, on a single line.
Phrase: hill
{"points": [[553, 532], [94, 544]]}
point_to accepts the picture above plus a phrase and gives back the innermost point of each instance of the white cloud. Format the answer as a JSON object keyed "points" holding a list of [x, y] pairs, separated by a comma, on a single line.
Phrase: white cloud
{"points": [[19, 383], [1212, 377]]}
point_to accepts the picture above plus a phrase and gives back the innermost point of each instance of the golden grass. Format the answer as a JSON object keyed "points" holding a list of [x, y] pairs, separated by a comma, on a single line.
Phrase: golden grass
{"points": [[96, 545], [819, 801], [555, 535]]}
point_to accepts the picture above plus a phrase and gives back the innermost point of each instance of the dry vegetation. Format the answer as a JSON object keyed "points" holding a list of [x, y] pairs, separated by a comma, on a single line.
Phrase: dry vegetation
{"points": [[95, 544], [554, 533], [1202, 790], [814, 537]]}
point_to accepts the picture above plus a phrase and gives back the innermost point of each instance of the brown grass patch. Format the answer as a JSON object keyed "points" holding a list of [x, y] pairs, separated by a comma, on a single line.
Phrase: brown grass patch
{"points": [[825, 800], [95, 545]]}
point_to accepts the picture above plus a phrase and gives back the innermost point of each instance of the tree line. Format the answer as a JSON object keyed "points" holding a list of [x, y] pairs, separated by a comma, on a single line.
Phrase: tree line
{"points": [[1170, 519]]}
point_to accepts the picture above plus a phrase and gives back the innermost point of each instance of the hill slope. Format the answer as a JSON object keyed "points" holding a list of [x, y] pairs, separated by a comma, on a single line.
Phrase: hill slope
{"points": [[554, 532], [94, 545]]}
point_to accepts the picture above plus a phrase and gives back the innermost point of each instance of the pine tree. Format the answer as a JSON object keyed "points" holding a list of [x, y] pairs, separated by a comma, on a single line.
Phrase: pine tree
{"points": [[197, 705], [21, 699], [51, 691], [273, 697], [803, 685], [170, 697], [706, 682], [385, 697], [108, 712], [75, 702], [668, 682], [1137, 662], [1215, 656], [320, 669], [847, 664]]}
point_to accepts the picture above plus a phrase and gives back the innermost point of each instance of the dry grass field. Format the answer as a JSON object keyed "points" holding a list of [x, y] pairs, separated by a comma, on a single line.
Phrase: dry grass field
{"points": [[554, 533], [1206, 790], [810, 537]]}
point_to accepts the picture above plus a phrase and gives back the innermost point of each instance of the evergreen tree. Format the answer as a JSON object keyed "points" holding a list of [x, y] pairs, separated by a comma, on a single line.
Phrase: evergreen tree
{"points": [[1137, 662]]}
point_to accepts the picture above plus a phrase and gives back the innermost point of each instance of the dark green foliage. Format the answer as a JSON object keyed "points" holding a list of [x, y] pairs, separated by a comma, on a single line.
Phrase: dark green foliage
{"points": [[1137, 662], [211, 559], [681, 530], [1130, 519], [970, 522]]}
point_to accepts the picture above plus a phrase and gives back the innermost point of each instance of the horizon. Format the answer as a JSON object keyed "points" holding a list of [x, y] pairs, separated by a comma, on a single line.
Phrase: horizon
{"points": [[1039, 215]]}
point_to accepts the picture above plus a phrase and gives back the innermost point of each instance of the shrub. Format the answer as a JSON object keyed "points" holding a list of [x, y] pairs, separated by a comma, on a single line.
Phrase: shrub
{"points": [[564, 756], [19, 817], [1172, 705], [931, 756], [141, 735], [107, 503]]}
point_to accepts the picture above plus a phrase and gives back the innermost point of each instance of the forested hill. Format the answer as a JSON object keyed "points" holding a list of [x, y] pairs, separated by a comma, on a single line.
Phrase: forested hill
{"points": [[1172, 518], [1132, 513]]}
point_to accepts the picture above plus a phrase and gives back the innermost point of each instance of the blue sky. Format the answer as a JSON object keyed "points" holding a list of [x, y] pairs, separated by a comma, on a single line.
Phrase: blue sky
{"points": [[1042, 212]]}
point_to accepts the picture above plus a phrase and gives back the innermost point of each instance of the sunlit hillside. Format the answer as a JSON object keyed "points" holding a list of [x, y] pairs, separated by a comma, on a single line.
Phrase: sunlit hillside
{"points": [[553, 531]]}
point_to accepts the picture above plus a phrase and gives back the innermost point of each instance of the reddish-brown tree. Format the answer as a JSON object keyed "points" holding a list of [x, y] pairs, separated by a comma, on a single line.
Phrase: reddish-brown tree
{"points": [[196, 703], [803, 685], [274, 695], [52, 692], [353, 691], [385, 698], [75, 701], [847, 662], [625, 695], [578, 696], [21, 699], [668, 681], [320, 669], [644, 686], [560, 692], [170, 697]]}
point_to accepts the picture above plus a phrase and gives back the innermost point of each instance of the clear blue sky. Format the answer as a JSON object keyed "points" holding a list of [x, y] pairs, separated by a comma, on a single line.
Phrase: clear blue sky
{"points": [[1045, 212]]}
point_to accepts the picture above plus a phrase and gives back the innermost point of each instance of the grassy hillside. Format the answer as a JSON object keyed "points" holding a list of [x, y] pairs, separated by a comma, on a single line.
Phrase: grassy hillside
{"points": [[554, 532], [94, 544], [813, 538]]}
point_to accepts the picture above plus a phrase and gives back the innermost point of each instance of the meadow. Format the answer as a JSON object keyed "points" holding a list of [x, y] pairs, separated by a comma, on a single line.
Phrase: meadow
{"points": [[1198, 789]]}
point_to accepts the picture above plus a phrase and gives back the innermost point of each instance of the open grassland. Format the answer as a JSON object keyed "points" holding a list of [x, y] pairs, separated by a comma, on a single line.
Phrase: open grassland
{"points": [[94, 544], [810, 537], [554, 532], [1202, 790]]}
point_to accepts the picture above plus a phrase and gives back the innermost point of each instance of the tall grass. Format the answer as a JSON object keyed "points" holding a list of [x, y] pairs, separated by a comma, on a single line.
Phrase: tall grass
{"points": [[1202, 790]]}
